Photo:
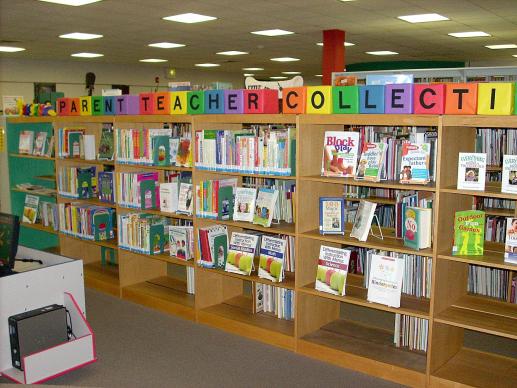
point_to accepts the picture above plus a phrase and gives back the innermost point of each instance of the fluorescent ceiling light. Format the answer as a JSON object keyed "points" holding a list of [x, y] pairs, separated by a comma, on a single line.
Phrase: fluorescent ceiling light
{"points": [[501, 46], [423, 18], [514, 55], [166, 45], [468, 34], [153, 60], [278, 77], [291, 72], [207, 64], [285, 59], [346, 44], [274, 32], [87, 55], [10, 49], [232, 52], [382, 52], [248, 75], [80, 36], [74, 3], [189, 18], [346, 1], [253, 68], [318, 75]]}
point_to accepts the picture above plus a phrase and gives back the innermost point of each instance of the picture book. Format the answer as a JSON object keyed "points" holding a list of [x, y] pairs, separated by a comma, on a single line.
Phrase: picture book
{"points": [[385, 280], [102, 227], [213, 246], [371, 162], [469, 233], [332, 215], [179, 240], [174, 143], [332, 270], [185, 204], [340, 150], [510, 243], [272, 256], [264, 206], [169, 197], [74, 143], [241, 253], [471, 171], [89, 147], [183, 156], [106, 186], [417, 227], [30, 209], [363, 220], [156, 238], [26, 142], [220, 249], [509, 178], [106, 144], [244, 204], [84, 183], [225, 203], [50, 148], [415, 163], [148, 194], [161, 150], [40, 144]]}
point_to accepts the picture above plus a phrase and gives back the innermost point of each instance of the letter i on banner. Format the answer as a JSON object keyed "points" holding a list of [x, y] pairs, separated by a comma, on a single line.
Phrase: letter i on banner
{"points": [[495, 98]]}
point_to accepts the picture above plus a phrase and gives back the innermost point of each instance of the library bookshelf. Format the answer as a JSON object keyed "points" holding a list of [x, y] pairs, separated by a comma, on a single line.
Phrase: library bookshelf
{"points": [[346, 330]]}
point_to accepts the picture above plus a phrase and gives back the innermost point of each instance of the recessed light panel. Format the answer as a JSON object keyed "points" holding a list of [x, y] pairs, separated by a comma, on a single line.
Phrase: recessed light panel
{"points": [[166, 45], [273, 32], [248, 75], [346, 44], [10, 49], [291, 72], [382, 52], [87, 55], [501, 46], [253, 68], [278, 77], [80, 36], [468, 34], [285, 59], [207, 64], [423, 18], [74, 3], [189, 18], [318, 75], [153, 60], [232, 52]]}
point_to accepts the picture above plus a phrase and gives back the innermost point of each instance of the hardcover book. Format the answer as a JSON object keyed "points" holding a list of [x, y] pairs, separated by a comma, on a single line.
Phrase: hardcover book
{"points": [[30, 209], [415, 163], [264, 206], [26, 142], [371, 162], [169, 197], [185, 198], [156, 239], [509, 178], [385, 280], [106, 188], [84, 183], [225, 203], [183, 157], [332, 270], [363, 220], [106, 147], [272, 256], [332, 215], [244, 206], [40, 144], [471, 171], [102, 228], [340, 151], [469, 233], [241, 253], [510, 242], [161, 151], [148, 194], [179, 242], [220, 249], [173, 149], [417, 227]]}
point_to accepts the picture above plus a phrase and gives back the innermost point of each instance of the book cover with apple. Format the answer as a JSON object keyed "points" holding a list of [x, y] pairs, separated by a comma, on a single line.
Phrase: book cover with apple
{"points": [[272, 255]]}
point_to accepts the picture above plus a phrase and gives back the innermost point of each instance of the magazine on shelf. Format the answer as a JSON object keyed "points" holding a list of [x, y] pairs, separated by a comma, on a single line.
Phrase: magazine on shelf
{"points": [[332, 270], [385, 280], [340, 150], [272, 256], [471, 171]]}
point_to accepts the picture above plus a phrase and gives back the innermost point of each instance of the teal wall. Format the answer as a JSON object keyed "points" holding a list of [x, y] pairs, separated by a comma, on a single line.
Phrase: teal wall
{"points": [[400, 65]]}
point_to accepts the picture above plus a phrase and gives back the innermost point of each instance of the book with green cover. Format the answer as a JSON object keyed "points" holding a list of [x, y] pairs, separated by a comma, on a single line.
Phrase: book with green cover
{"points": [[161, 151], [225, 203], [74, 141], [148, 194], [106, 147], [156, 239], [84, 183], [30, 209], [101, 225], [469, 233], [220, 250]]}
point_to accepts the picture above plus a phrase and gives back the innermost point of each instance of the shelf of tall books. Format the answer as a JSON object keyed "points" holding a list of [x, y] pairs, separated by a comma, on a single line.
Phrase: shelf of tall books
{"points": [[380, 243]]}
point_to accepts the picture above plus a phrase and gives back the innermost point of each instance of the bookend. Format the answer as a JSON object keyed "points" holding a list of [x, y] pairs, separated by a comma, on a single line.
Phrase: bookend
{"points": [[380, 236]]}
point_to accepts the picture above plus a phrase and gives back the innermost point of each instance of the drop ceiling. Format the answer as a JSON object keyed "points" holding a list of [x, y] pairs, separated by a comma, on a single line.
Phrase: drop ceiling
{"points": [[128, 26]]}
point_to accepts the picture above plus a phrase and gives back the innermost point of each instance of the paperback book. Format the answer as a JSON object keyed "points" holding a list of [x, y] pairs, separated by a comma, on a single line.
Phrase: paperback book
{"points": [[185, 198], [244, 206], [385, 280], [469, 233], [272, 256], [264, 206], [26, 143], [241, 253], [363, 220], [471, 171], [417, 227], [371, 162], [225, 203], [509, 177], [106, 144], [510, 244], [213, 246], [180, 241], [332, 270], [415, 163], [106, 186], [169, 197], [332, 215], [30, 209], [340, 151], [161, 150], [40, 144]]}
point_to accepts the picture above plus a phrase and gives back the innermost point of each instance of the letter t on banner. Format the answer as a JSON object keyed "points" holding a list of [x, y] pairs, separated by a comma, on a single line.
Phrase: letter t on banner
{"points": [[333, 54]]}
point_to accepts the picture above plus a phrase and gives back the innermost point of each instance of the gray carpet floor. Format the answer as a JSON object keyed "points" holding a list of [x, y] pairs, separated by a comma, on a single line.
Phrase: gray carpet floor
{"points": [[140, 347]]}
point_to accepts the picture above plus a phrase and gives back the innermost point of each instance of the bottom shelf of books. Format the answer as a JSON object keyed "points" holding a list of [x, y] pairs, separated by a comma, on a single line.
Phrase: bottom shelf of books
{"points": [[103, 277], [254, 310], [388, 350]]}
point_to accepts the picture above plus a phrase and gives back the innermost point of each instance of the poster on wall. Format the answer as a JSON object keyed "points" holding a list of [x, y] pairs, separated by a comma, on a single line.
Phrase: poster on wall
{"points": [[11, 105], [252, 83]]}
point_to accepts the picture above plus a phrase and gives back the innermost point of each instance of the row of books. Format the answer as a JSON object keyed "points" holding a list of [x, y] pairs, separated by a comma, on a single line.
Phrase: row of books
{"points": [[48, 215], [257, 149], [142, 233], [86, 221], [181, 241], [138, 190], [76, 143], [496, 142], [37, 144], [77, 182], [411, 332], [495, 229], [277, 300], [153, 147], [481, 203], [492, 282]]}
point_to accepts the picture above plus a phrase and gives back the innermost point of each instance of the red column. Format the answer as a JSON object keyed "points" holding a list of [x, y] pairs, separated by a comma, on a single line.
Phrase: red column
{"points": [[333, 53]]}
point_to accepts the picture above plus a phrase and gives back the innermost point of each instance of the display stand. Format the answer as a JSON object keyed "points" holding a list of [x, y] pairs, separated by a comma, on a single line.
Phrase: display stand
{"points": [[59, 281]]}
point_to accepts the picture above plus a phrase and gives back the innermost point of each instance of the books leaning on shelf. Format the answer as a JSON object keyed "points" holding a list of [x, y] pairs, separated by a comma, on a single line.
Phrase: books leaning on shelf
{"points": [[509, 176], [26, 143], [265, 206], [471, 171], [241, 253], [332, 215], [411, 332], [332, 270], [415, 163], [106, 186], [277, 300], [363, 220], [181, 242], [259, 149], [40, 144], [371, 162], [469, 233], [30, 209], [214, 198], [138, 190], [143, 233], [510, 243], [244, 204], [417, 227], [213, 246], [272, 257], [486, 281], [77, 182], [385, 280], [86, 221], [69, 142], [406, 198], [340, 150], [144, 146], [49, 215]]}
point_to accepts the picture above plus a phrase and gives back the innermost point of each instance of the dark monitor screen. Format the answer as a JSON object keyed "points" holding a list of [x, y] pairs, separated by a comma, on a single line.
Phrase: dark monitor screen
{"points": [[9, 232]]}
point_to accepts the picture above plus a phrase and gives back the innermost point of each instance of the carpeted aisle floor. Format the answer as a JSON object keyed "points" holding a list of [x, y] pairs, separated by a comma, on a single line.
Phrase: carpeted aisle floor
{"points": [[139, 347]]}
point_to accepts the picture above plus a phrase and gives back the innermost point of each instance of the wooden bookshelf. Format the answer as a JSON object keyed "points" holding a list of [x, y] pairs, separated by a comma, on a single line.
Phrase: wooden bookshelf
{"points": [[40, 227], [103, 277]]}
